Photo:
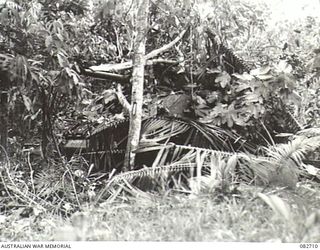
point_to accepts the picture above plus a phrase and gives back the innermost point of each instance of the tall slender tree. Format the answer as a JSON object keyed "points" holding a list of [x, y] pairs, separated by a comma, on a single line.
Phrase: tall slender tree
{"points": [[137, 83], [3, 121]]}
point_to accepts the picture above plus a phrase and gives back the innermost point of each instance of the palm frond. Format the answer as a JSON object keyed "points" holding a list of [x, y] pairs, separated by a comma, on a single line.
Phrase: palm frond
{"points": [[283, 162], [193, 160], [280, 164], [190, 132], [157, 130], [294, 150], [291, 120], [309, 132]]}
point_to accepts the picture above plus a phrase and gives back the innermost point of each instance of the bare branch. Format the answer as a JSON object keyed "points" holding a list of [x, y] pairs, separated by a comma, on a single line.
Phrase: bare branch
{"points": [[166, 47], [129, 64], [123, 78]]}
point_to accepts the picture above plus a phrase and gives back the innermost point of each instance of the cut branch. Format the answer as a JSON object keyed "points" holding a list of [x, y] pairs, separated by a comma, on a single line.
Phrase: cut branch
{"points": [[161, 60], [129, 64], [123, 78], [112, 67], [106, 75]]}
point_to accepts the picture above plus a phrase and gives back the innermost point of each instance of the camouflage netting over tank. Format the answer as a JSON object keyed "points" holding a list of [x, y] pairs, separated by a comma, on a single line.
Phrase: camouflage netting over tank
{"points": [[170, 114]]}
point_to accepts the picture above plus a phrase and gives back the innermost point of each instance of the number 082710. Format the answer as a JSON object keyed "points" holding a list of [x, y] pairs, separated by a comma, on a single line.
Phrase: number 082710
{"points": [[309, 245]]}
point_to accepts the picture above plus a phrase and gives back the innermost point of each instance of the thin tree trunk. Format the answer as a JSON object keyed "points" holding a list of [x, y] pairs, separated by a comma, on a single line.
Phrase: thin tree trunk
{"points": [[137, 83], [3, 122]]}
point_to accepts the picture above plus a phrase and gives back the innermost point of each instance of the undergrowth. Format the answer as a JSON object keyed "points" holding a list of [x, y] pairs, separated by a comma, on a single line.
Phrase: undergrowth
{"points": [[65, 200], [179, 217]]}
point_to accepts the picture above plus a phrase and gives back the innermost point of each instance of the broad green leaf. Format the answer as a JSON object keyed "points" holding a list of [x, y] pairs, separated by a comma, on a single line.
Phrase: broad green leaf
{"points": [[231, 164], [311, 170], [284, 67], [244, 76], [176, 21], [260, 71], [63, 60], [252, 97], [202, 112], [315, 63], [230, 122], [214, 71], [109, 98], [27, 102], [34, 116], [295, 98], [313, 219], [48, 41], [265, 77], [242, 86], [213, 97], [200, 100], [60, 37], [278, 205], [224, 79]]}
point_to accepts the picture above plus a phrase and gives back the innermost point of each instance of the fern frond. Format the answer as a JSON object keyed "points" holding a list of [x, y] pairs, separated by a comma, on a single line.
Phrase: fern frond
{"points": [[295, 150]]}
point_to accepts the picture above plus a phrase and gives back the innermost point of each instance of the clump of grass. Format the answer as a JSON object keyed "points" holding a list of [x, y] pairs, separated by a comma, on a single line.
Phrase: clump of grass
{"points": [[134, 215]]}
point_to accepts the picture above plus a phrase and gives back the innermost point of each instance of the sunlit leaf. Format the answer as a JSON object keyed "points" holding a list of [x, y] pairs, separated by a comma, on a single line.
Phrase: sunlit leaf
{"points": [[213, 97], [62, 59], [200, 100], [313, 219], [224, 79], [213, 71], [231, 164], [284, 66], [34, 116], [278, 205], [311, 170], [260, 71], [27, 102], [265, 77], [48, 41]]}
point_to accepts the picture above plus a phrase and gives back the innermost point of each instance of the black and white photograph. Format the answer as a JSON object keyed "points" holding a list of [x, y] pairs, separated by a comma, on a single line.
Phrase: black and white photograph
{"points": [[159, 121]]}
